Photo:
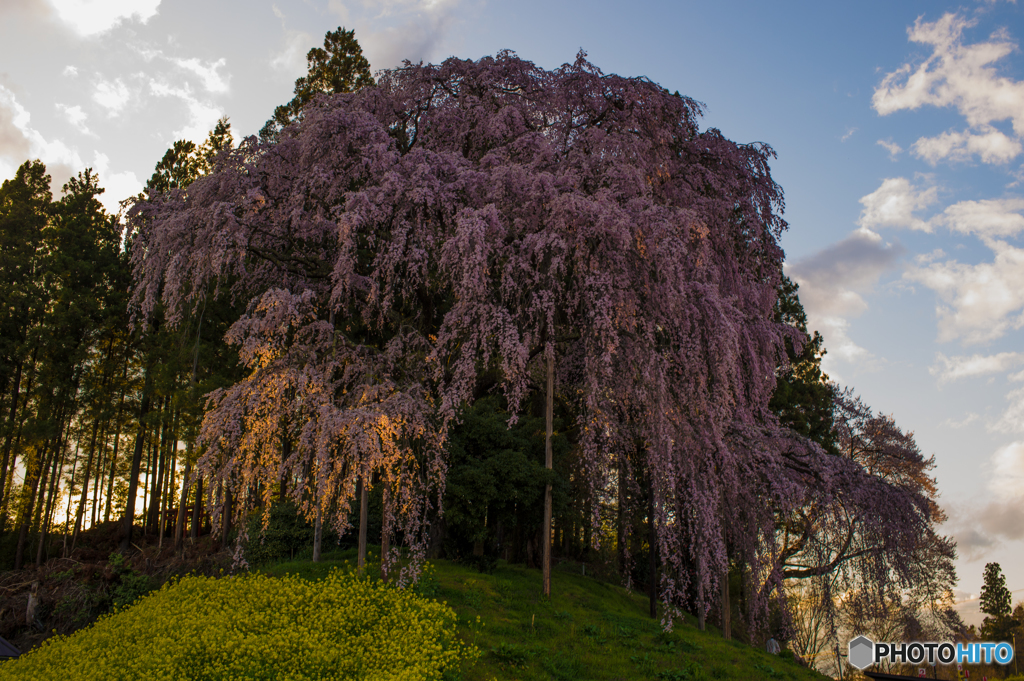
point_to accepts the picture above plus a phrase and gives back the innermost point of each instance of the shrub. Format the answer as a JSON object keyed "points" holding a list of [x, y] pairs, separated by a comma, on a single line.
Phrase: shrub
{"points": [[257, 627], [286, 534]]}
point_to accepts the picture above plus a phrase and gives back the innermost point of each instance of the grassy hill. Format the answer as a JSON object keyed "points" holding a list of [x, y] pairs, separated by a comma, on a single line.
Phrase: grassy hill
{"points": [[589, 629]]}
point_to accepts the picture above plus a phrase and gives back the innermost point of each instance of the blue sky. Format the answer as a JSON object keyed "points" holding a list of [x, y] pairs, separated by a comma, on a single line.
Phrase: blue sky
{"points": [[899, 129]]}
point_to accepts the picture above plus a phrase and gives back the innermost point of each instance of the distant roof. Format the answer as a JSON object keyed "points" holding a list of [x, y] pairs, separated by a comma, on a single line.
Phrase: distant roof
{"points": [[887, 677], [7, 650]]}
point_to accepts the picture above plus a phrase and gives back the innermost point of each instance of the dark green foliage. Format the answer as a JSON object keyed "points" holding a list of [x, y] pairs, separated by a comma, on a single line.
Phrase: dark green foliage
{"points": [[803, 397], [495, 491], [483, 564], [25, 207], [287, 534], [995, 597], [220, 139], [337, 67], [180, 167], [996, 602]]}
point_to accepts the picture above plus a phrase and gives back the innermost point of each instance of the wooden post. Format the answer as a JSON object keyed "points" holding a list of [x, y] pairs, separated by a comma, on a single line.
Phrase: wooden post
{"points": [[549, 426]]}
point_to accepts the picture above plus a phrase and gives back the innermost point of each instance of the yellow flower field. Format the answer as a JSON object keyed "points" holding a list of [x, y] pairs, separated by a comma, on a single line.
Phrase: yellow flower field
{"points": [[257, 627]]}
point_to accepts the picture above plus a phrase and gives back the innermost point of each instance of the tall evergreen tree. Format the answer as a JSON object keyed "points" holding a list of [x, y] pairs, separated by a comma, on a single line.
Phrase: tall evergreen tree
{"points": [[996, 602], [25, 209], [337, 67]]}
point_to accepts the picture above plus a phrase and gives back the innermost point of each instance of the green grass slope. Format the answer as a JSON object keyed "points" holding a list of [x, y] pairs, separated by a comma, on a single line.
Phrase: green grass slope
{"points": [[589, 630]]}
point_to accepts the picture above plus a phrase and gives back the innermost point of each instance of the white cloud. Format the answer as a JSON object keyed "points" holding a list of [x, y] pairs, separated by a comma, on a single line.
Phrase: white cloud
{"points": [[70, 70], [202, 115], [952, 368], [291, 58], [13, 119], [894, 203], [339, 9], [1008, 472], [112, 96], [890, 146], [832, 282], [212, 80], [848, 134], [962, 423], [987, 218], [964, 77], [390, 31], [20, 141], [925, 258], [991, 145], [91, 17], [955, 75], [76, 117], [118, 186], [979, 302], [1012, 418], [417, 38]]}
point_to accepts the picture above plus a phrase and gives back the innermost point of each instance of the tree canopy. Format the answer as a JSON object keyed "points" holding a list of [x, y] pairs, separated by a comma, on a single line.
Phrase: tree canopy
{"points": [[406, 246]]}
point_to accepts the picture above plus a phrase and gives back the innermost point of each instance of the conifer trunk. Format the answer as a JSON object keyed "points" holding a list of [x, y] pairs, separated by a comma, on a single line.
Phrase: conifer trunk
{"points": [[160, 460], [98, 483], [117, 442], [33, 470], [85, 483], [197, 509], [133, 478], [11, 461], [11, 420], [58, 466], [179, 523]]}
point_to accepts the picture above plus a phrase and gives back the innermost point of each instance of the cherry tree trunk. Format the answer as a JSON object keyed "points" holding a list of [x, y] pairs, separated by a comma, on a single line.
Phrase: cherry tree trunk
{"points": [[620, 516], [652, 554], [364, 508], [700, 593], [318, 533], [548, 427]]}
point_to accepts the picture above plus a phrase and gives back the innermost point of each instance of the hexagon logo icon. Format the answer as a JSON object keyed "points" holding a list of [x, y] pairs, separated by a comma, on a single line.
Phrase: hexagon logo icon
{"points": [[862, 652]]}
